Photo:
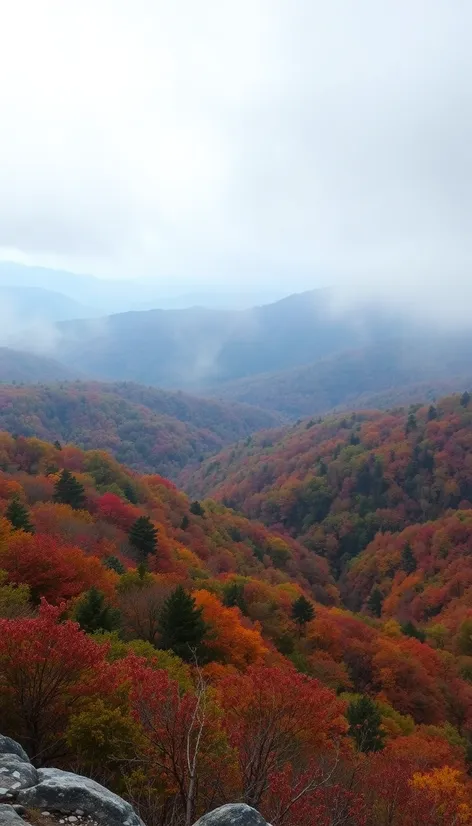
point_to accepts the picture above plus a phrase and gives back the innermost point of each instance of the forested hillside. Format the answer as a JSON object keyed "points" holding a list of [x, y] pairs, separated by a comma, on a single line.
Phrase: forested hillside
{"points": [[18, 366], [335, 483], [383, 374], [189, 657], [145, 428]]}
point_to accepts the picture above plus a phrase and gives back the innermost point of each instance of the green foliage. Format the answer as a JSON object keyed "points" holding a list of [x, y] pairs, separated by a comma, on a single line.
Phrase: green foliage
{"points": [[409, 563], [143, 537], [14, 599], [412, 630], [465, 399], [93, 613], [464, 638], [233, 595], [182, 626], [184, 523], [302, 612], [375, 602], [69, 491], [114, 564], [18, 515], [365, 724], [197, 509]]}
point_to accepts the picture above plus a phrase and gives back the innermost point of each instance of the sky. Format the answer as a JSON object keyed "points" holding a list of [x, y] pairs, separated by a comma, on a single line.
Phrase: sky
{"points": [[259, 142]]}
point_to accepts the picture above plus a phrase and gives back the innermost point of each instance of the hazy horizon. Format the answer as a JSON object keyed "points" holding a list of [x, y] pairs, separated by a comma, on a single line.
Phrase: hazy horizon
{"points": [[263, 144]]}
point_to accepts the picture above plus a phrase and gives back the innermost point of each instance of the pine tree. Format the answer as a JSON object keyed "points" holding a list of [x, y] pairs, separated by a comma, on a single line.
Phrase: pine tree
{"points": [[94, 614], [233, 595], [409, 563], [69, 491], [375, 602], [411, 423], [130, 493], [18, 515], [114, 564], [365, 724], [182, 626], [185, 523], [432, 413], [143, 537], [465, 399], [412, 630], [197, 509], [57, 445], [302, 612]]}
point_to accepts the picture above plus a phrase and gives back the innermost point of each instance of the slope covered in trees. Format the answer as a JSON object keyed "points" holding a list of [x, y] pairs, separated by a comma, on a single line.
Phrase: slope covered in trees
{"points": [[18, 366], [335, 483], [145, 428], [383, 374], [189, 657]]}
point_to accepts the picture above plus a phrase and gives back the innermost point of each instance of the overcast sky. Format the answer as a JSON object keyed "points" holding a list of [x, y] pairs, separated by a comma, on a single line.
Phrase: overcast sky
{"points": [[300, 141]]}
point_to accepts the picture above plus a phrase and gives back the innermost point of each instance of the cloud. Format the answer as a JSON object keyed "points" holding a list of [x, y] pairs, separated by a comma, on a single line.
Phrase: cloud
{"points": [[268, 141]]}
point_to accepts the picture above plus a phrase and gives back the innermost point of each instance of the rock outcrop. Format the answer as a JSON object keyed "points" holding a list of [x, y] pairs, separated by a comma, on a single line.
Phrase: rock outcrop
{"points": [[72, 798], [65, 798], [233, 814]]}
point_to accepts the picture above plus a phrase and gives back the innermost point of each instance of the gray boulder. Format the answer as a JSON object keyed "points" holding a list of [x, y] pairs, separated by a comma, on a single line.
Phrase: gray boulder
{"points": [[8, 816], [9, 746], [66, 792], [233, 814], [15, 774]]}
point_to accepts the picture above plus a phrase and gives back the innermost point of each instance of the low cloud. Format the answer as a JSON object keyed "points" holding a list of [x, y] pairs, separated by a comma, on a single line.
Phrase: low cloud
{"points": [[261, 143]]}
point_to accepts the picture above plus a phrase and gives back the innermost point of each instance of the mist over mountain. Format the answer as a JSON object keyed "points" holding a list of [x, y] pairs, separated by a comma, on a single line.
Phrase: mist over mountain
{"points": [[198, 347], [17, 366]]}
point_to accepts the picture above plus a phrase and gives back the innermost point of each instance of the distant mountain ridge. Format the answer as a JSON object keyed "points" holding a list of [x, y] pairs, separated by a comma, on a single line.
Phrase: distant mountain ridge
{"points": [[197, 347]]}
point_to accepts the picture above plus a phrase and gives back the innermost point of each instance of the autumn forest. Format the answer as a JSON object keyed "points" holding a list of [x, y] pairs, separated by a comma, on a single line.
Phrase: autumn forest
{"points": [[296, 633]]}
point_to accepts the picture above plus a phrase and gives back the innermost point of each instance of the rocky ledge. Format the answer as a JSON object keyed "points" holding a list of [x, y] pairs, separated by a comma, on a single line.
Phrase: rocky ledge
{"points": [[46, 797]]}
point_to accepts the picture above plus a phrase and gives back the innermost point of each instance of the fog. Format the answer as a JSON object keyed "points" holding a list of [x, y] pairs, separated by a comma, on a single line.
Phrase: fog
{"points": [[262, 145]]}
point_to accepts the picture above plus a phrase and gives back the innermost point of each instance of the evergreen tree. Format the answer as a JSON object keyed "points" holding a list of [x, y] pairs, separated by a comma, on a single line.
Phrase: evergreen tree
{"points": [[130, 493], [185, 523], [411, 630], [143, 537], [432, 413], [365, 724], [409, 563], [411, 424], [57, 445], [465, 399], [197, 509], [18, 515], [302, 612], [94, 614], [69, 491], [375, 602], [233, 595], [182, 626], [114, 564]]}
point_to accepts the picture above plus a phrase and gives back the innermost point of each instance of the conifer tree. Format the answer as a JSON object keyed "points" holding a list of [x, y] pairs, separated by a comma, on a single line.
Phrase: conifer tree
{"points": [[409, 563], [94, 614], [18, 515], [302, 612], [365, 724], [465, 399], [69, 491], [114, 564], [181, 625], [143, 537], [432, 413], [375, 602], [197, 509]]}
